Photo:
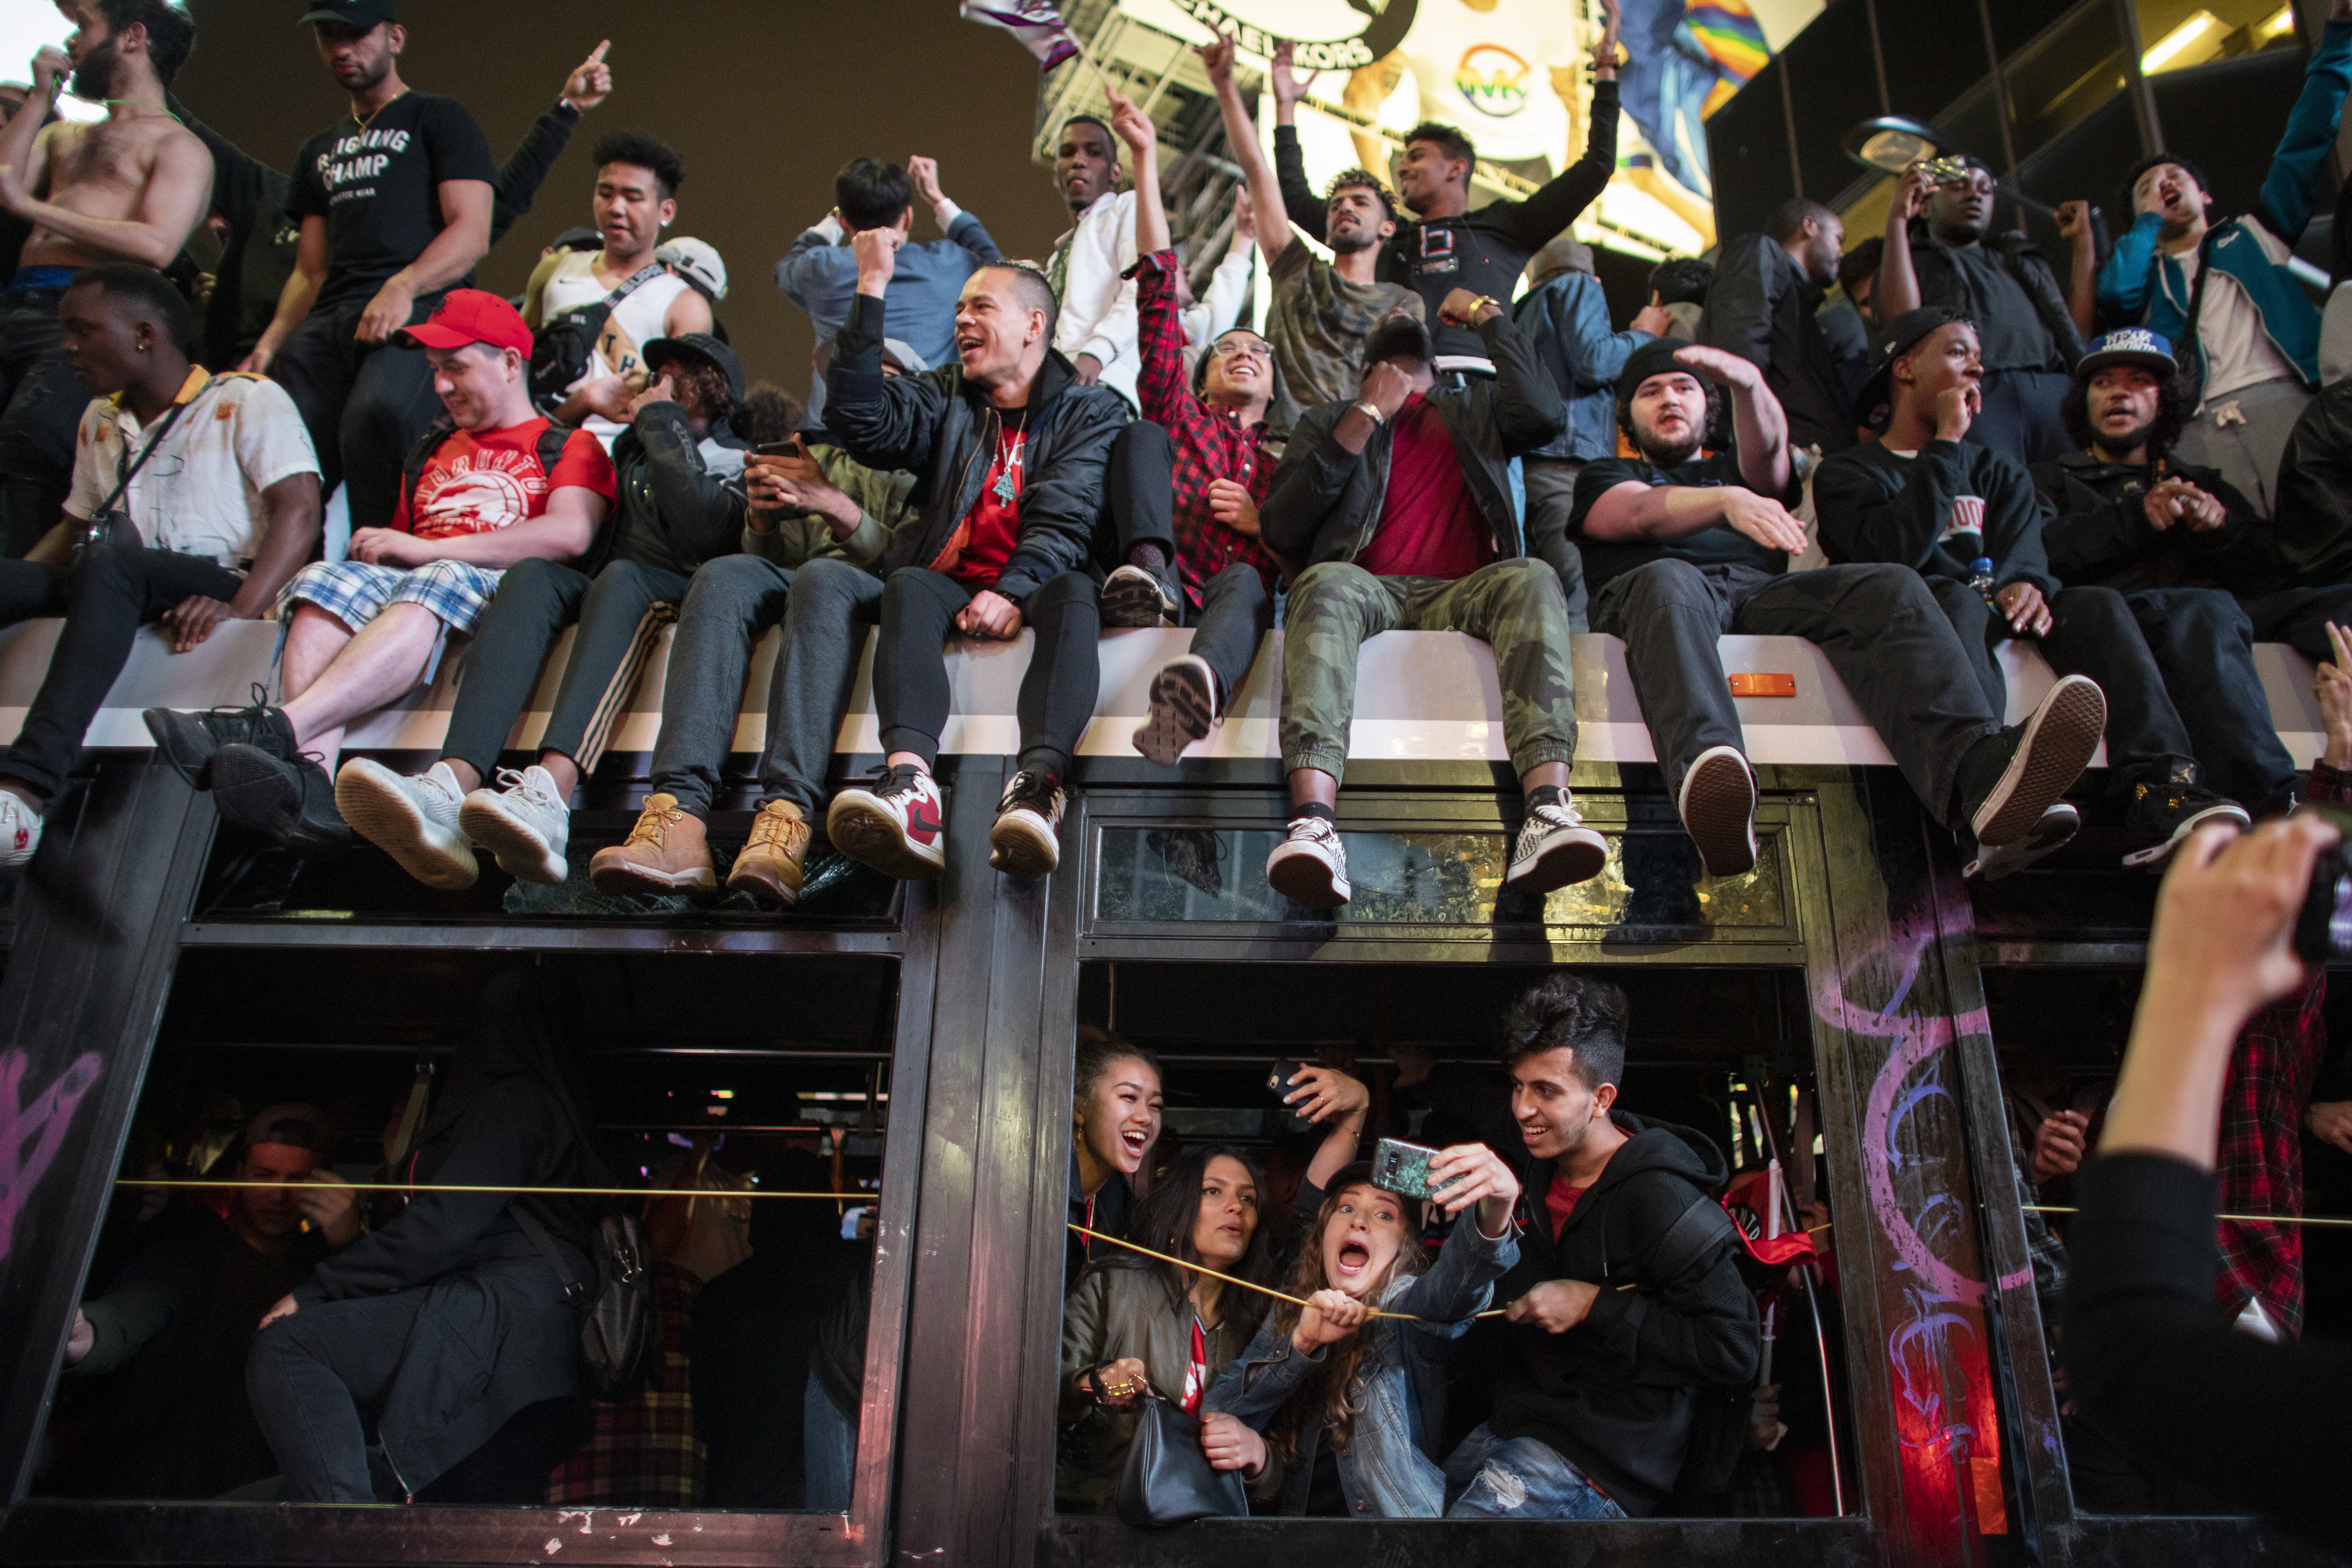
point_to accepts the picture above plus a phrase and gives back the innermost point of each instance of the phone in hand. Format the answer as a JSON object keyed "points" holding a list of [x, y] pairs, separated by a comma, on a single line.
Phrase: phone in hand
{"points": [[790, 446], [1401, 1167], [1278, 1081]]}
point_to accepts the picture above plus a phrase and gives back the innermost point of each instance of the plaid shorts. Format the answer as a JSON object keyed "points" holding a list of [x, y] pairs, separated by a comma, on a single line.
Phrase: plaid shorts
{"points": [[355, 593]]}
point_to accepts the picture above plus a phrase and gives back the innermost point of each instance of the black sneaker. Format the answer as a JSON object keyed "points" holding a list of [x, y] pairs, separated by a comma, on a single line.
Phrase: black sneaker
{"points": [[2050, 832], [292, 804], [187, 740], [2037, 761], [2169, 812], [1132, 596], [1026, 839]]}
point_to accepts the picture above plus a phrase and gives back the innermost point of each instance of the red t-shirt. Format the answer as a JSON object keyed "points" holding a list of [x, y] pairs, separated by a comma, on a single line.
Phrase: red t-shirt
{"points": [[982, 543], [1560, 1200], [1196, 1369], [1430, 526], [479, 481]]}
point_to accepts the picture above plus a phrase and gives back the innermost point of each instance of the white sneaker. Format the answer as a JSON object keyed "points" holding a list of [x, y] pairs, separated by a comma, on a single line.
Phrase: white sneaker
{"points": [[895, 822], [1026, 839], [1311, 867], [20, 829], [1183, 707], [523, 825], [414, 820], [1555, 850], [1717, 806]]}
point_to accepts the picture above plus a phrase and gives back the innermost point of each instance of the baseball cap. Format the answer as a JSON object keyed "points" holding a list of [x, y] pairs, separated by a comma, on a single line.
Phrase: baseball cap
{"points": [[469, 316], [1891, 342], [359, 14], [697, 346], [2128, 345], [697, 262], [292, 1125], [1656, 357]]}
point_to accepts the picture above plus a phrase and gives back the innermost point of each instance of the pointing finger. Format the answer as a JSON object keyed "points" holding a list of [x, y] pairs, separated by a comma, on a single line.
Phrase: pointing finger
{"points": [[598, 58]]}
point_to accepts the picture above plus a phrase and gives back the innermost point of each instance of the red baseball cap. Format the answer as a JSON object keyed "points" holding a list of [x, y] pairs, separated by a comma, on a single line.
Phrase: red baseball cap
{"points": [[469, 316]]}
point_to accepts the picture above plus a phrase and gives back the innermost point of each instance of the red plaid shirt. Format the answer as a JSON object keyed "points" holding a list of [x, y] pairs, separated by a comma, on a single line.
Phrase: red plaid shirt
{"points": [[1208, 444], [2261, 1162], [644, 1452]]}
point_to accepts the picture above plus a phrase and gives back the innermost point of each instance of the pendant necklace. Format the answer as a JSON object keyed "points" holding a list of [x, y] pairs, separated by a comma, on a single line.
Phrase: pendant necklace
{"points": [[1006, 489]]}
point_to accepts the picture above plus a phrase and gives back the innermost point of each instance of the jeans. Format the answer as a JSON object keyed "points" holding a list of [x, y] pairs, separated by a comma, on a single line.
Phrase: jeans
{"points": [[1514, 606], [1879, 627], [619, 614], [1236, 614], [1237, 608], [2093, 632], [109, 594], [2299, 616], [829, 1441], [41, 403], [2202, 640], [1058, 693], [309, 1375], [1519, 1478], [2021, 415], [729, 603], [1552, 497], [366, 406]]}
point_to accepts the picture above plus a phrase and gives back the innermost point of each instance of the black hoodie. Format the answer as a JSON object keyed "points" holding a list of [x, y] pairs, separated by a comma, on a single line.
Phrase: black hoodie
{"points": [[1612, 1396], [2097, 533]]}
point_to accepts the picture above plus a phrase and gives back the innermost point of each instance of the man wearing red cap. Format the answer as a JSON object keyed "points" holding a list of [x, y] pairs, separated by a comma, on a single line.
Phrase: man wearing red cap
{"points": [[505, 485]]}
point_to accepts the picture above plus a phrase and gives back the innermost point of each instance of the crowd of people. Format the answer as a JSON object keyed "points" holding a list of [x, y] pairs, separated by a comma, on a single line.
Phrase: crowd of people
{"points": [[1906, 454]]}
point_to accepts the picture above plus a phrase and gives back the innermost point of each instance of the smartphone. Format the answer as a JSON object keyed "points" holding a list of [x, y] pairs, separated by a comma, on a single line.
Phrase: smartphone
{"points": [[790, 446], [1279, 1080], [1401, 1167]]}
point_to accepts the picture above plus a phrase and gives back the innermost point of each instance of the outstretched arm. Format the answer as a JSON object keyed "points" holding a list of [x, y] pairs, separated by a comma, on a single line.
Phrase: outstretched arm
{"points": [[1241, 136], [1756, 416], [1897, 289]]}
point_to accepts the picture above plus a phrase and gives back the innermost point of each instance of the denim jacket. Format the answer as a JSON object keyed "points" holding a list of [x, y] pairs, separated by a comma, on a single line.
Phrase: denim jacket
{"points": [[1391, 1468]]}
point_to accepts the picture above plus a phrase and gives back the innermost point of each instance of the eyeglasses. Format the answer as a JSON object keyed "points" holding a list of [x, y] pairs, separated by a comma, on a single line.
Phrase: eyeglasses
{"points": [[1228, 347]]}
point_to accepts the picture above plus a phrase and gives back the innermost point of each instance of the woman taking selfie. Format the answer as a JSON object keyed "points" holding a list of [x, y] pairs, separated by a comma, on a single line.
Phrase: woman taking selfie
{"points": [[1351, 1406], [1135, 1324]]}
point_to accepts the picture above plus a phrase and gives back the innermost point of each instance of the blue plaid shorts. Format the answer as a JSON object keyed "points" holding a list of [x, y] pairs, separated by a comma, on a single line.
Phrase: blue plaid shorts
{"points": [[355, 593]]}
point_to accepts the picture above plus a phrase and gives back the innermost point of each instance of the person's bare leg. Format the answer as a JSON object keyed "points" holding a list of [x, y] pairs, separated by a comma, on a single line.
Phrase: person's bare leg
{"points": [[385, 661], [469, 780], [312, 640], [1543, 774], [563, 770], [1313, 787]]}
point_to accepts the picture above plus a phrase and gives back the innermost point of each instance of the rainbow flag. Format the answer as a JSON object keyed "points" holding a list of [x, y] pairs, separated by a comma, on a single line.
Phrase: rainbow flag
{"points": [[1685, 58], [1727, 31]]}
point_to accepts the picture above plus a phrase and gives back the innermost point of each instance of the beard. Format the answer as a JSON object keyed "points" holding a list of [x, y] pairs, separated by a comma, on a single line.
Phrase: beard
{"points": [[93, 80], [2129, 440], [1667, 457], [372, 74], [1351, 242]]}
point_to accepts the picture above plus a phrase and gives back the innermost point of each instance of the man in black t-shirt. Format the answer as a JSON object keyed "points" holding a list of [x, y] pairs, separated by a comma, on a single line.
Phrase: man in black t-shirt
{"points": [[395, 206], [1966, 518], [1450, 247], [1680, 547]]}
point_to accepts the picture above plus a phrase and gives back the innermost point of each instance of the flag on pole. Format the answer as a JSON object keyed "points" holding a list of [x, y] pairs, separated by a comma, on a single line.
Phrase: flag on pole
{"points": [[1036, 23]]}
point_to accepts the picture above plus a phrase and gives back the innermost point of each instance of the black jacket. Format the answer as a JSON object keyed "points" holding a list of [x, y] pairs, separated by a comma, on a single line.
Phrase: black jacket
{"points": [[1325, 502], [944, 430], [2095, 528], [1940, 284], [1612, 1396], [1876, 507], [675, 513], [494, 1333], [1762, 308], [2313, 515]]}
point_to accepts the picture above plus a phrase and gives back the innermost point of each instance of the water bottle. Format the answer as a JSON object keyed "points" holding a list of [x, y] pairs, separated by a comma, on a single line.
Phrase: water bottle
{"points": [[1980, 577]]}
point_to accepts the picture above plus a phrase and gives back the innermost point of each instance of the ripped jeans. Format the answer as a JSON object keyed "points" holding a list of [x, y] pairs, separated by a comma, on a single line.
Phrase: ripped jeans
{"points": [[1518, 1477]]}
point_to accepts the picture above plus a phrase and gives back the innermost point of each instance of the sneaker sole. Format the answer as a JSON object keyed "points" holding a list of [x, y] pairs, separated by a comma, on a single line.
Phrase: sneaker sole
{"points": [[257, 797], [1132, 607], [1994, 862], [1020, 848], [619, 878], [380, 811], [871, 837], [2057, 745], [1578, 855], [1180, 715], [761, 880], [1306, 880], [517, 847], [1719, 814], [2155, 854]]}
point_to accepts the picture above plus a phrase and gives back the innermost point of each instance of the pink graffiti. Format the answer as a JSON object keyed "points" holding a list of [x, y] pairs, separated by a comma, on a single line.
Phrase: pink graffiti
{"points": [[1916, 1039], [31, 1135]]}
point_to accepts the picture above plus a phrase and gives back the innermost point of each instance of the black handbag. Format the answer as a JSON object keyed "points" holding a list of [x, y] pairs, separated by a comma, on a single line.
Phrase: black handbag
{"points": [[1167, 1479]]}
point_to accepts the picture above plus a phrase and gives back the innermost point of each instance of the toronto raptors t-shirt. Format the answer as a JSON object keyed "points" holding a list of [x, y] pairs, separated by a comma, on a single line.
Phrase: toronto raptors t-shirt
{"points": [[479, 481], [377, 186]]}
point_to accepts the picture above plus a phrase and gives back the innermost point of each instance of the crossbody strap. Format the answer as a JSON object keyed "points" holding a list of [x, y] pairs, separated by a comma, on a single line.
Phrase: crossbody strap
{"points": [[125, 469], [573, 1289]]}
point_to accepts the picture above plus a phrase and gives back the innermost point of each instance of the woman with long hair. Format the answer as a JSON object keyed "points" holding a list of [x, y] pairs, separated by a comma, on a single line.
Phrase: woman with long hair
{"points": [[1114, 1121], [1136, 1323], [1351, 1405]]}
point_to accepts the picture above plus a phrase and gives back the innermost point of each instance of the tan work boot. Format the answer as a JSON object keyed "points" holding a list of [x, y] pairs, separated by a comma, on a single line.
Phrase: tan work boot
{"points": [[665, 853], [770, 865]]}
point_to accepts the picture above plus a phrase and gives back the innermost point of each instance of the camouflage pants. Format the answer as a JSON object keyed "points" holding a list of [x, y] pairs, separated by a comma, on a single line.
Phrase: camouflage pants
{"points": [[1514, 606]]}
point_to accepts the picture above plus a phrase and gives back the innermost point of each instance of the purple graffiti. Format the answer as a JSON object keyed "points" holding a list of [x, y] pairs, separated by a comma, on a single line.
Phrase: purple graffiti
{"points": [[31, 1135]]}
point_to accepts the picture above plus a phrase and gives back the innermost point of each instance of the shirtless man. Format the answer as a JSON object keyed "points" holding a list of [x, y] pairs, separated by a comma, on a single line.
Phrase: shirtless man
{"points": [[130, 187]]}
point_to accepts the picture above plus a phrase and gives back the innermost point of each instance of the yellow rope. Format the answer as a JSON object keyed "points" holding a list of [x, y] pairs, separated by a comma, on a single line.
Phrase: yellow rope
{"points": [[533, 1191], [2240, 1218]]}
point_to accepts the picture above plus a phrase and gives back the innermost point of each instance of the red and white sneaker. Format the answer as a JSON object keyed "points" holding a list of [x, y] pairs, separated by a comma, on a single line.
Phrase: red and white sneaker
{"points": [[895, 823], [20, 829]]}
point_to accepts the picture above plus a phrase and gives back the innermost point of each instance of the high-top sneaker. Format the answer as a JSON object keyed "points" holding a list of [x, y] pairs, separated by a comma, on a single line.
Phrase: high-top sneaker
{"points": [[1026, 841], [895, 822]]}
